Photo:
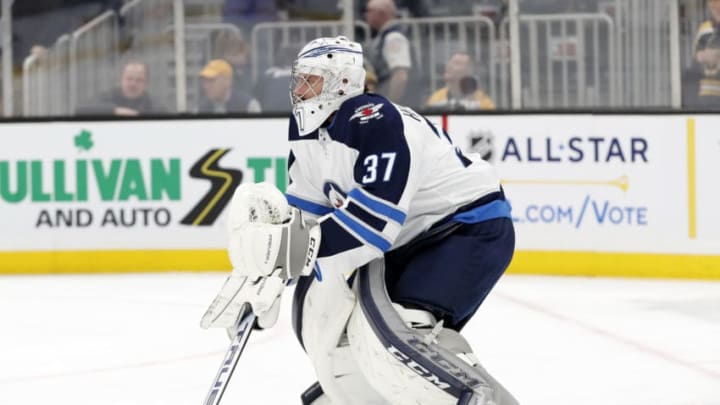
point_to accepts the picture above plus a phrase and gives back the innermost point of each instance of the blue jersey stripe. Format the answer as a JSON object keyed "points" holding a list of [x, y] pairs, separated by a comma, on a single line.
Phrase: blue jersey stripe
{"points": [[308, 206], [364, 233], [486, 212], [380, 208]]}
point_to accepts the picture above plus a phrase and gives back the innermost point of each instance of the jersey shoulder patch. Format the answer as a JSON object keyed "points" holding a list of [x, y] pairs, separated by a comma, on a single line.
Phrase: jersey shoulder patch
{"points": [[369, 116], [367, 112], [364, 109]]}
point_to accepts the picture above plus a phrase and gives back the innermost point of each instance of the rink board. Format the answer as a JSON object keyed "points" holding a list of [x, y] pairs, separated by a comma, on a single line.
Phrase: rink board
{"points": [[619, 195]]}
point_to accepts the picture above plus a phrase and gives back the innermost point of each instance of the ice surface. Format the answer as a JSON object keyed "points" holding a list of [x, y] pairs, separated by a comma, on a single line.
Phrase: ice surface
{"points": [[135, 339]]}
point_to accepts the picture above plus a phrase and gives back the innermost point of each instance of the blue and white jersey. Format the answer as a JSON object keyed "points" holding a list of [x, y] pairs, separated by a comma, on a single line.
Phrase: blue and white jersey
{"points": [[377, 176]]}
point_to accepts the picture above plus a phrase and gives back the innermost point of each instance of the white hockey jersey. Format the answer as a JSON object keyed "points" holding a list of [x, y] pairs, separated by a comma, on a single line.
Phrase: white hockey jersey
{"points": [[379, 175]]}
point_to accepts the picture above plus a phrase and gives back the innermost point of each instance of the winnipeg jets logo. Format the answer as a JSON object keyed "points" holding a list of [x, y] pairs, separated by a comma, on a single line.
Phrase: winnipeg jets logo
{"points": [[334, 194], [367, 112]]}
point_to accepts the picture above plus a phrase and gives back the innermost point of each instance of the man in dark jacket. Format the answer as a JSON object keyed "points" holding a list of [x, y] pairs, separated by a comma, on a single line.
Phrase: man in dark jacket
{"points": [[130, 98]]}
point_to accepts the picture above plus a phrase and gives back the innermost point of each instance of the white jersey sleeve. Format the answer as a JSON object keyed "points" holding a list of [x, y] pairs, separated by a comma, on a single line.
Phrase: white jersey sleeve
{"points": [[301, 192]]}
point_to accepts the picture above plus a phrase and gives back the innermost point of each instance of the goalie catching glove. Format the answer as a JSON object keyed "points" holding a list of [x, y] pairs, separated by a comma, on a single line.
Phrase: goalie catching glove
{"points": [[270, 244]]}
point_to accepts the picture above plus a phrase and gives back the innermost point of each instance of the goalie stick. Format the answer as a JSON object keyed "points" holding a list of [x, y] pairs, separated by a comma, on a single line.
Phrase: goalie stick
{"points": [[244, 326]]}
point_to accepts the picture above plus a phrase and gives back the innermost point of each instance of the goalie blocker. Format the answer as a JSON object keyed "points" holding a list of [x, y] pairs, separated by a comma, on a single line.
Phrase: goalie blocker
{"points": [[270, 245]]}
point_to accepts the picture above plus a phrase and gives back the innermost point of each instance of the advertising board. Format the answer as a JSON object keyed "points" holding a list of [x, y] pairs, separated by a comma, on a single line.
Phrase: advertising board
{"points": [[591, 194]]}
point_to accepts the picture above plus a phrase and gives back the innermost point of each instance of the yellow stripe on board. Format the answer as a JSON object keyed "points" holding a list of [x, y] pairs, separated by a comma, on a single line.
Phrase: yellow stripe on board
{"points": [[616, 264], [692, 197], [524, 262], [112, 261], [621, 182]]}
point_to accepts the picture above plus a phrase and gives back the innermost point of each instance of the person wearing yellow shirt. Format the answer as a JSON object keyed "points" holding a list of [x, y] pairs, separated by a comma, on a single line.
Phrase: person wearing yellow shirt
{"points": [[461, 90]]}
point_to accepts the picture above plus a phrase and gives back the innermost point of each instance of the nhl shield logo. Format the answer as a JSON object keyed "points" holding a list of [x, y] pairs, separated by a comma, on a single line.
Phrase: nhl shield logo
{"points": [[481, 141]]}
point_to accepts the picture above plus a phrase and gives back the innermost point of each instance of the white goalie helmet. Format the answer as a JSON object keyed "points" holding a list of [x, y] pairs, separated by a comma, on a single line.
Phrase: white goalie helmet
{"points": [[327, 72]]}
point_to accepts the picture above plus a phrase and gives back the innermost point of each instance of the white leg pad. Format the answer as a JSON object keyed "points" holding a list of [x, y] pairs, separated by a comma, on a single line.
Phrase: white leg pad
{"points": [[401, 382], [354, 345], [326, 309], [409, 358]]}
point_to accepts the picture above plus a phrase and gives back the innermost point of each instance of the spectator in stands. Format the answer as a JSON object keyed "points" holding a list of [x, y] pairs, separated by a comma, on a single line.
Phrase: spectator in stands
{"points": [[220, 98], [410, 8], [129, 98], [461, 88], [233, 48], [389, 51], [273, 86], [702, 80]]}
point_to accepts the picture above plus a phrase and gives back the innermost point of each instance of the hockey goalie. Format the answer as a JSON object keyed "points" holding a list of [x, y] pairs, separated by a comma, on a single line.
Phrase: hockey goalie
{"points": [[392, 235]]}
